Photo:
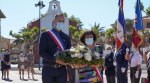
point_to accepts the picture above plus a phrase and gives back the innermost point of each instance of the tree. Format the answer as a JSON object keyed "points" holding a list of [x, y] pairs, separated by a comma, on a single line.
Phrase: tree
{"points": [[19, 41], [148, 11], [129, 25], [109, 33], [97, 29], [109, 36], [26, 36], [75, 33], [79, 22], [65, 14]]}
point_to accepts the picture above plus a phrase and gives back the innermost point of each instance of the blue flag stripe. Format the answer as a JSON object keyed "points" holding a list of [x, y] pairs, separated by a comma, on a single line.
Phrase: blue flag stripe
{"points": [[138, 17], [122, 20]]}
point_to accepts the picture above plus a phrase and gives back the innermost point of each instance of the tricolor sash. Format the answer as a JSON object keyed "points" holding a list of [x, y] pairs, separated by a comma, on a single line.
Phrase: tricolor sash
{"points": [[55, 36], [98, 73]]}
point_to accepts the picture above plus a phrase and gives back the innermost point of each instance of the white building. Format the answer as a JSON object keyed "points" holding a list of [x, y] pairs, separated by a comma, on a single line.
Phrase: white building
{"points": [[46, 21]]}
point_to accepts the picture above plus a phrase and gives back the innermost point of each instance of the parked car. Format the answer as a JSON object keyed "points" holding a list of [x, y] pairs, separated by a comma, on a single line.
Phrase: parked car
{"points": [[14, 60]]}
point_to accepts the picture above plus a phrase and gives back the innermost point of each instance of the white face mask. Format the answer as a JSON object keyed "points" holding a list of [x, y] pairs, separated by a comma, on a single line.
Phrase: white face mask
{"points": [[108, 51], [60, 26], [89, 41]]}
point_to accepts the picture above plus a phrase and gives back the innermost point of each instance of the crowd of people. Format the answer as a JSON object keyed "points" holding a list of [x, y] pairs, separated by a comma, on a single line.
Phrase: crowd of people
{"points": [[115, 65], [116, 61], [25, 61]]}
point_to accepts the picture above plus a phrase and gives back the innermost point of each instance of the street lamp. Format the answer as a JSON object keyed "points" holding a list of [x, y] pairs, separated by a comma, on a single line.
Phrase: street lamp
{"points": [[1, 16], [40, 5]]}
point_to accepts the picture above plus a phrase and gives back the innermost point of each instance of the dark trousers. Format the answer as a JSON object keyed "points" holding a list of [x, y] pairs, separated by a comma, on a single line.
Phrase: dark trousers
{"points": [[71, 73], [148, 72], [111, 79], [121, 77], [54, 75], [132, 75], [2, 68]]}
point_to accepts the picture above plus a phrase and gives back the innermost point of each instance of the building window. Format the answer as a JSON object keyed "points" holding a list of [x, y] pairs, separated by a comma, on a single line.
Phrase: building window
{"points": [[148, 25]]}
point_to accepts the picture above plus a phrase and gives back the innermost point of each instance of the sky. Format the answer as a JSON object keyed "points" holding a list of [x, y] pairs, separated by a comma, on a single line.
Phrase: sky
{"points": [[20, 12]]}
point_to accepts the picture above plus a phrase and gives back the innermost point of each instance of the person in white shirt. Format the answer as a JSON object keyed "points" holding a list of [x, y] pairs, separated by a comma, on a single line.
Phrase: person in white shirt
{"points": [[135, 61], [146, 57]]}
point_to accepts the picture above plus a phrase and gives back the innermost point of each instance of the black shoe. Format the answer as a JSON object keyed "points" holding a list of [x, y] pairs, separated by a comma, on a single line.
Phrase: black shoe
{"points": [[7, 78], [4, 78]]}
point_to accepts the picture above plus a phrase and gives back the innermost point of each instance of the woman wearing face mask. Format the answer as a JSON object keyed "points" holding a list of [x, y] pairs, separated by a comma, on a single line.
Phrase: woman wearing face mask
{"points": [[108, 66], [135, 61], [21, 65], [87, 74], [30, 64]]}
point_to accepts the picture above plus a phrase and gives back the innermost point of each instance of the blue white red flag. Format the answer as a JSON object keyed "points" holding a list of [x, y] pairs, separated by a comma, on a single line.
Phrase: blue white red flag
{"points": [[120, 26]]}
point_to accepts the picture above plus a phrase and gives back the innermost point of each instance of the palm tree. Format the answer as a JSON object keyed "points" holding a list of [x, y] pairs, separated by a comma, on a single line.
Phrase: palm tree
{"points": [[79, 22], [148, 11], [97, 29], [19, 41], [129, 25], [109, 35], [26, 36]]}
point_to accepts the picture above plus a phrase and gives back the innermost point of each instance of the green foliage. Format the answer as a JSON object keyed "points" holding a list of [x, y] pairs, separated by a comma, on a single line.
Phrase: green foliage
{"points": [[65, 14], [97, 29], [109, 32], [26, 36], [129, 25], [75, 33], [75, 19], [148, 11]]}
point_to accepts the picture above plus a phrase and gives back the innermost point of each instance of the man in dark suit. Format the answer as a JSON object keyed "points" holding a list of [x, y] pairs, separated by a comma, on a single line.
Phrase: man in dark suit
{"points": [[54, 71], [121, 60], [108, 66]]}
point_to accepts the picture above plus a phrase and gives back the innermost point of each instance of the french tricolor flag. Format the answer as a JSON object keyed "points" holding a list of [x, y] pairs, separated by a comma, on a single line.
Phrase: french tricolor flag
{"points": [[120, 26]]}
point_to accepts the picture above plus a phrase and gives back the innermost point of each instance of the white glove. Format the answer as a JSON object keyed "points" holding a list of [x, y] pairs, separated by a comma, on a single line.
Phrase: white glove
{"points": [[144, 50], [123, 69], [114, 63], [127, 50], [137, 74]]}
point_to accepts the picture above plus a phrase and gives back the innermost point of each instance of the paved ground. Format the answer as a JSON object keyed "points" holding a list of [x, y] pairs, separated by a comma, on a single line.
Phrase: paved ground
{"points": [[14, 76]]}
